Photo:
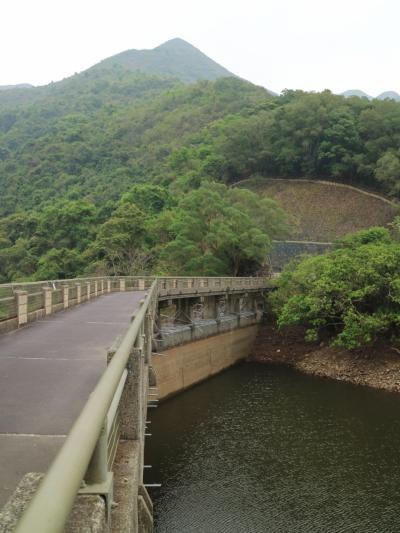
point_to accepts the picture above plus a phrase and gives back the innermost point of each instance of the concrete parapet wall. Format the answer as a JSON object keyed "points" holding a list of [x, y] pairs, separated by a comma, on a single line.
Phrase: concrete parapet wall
{"points": [[183, 366], [182, 334], [87, 516]]}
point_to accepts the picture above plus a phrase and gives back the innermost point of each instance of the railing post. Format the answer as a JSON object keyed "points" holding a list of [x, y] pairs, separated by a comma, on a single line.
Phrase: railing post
{"points": [[102, 286], [95, 289], [65, 296], [48, 300], [88, 289], [121, 285], [22, 307], [108, 285], [78, 293], [142, 284], [98, 480], [97, 469]]}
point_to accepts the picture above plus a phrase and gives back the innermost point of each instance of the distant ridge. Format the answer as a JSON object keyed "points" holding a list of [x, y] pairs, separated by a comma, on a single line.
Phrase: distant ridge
{"points": [[389, 94], [18, 86], [176, 58], [356, 92], [392, 95]]}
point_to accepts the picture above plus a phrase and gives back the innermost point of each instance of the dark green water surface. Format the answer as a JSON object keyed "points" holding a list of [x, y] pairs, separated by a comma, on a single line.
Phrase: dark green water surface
{"points": [[265, 449]]}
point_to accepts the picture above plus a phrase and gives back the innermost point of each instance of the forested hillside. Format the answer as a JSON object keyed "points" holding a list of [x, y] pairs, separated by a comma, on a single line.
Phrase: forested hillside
{"points": [[97, 172]]}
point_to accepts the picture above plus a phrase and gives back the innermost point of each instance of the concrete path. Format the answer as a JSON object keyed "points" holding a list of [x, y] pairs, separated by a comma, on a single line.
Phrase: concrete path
{"points": [[47, 371]]}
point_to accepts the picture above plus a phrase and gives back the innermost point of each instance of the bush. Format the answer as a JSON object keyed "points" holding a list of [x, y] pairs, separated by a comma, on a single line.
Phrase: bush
{"points": [[352, 292]]}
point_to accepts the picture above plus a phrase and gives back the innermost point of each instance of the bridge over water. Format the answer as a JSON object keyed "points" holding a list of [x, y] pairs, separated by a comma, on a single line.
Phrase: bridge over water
{"points": [[55, 381]]}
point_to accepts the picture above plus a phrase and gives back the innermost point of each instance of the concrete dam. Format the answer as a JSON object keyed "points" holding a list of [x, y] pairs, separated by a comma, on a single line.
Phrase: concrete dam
{"points": [[100, 352]]}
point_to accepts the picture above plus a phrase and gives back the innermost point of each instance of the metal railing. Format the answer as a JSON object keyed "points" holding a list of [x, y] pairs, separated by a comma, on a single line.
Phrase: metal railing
{"points": [[84, 462]]}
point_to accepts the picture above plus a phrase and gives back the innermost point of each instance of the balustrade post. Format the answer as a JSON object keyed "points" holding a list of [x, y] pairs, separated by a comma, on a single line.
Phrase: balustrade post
{"points": [[22, 307], [88, 289], [95, 289], [78, 293], [142, 284], [102, 286], [48, 300], [108, 285], [122, 285], [65, 296]]}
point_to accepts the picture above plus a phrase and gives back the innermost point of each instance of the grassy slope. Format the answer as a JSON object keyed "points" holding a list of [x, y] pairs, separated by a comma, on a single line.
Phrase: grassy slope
{"points": [[322, 211]]}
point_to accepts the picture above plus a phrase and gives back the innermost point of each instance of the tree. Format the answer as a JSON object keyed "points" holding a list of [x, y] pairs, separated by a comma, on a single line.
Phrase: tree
{"points": [[59, 264], [388, 170], [119, 246], [220, 231]]}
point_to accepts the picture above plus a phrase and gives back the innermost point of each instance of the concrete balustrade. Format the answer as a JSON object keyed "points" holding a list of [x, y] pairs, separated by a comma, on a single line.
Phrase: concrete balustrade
{"points": [[58, 295]]}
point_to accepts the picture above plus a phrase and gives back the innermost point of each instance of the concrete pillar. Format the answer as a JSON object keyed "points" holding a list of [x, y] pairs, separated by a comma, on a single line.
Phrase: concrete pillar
{"points": [[142, 285], [22, 307], [78, 293], [183, 308], [48, 300], [210, 306], [88, 289], [108, 285], [66, 296], [95, 289], [102, 286], [121, 285]]}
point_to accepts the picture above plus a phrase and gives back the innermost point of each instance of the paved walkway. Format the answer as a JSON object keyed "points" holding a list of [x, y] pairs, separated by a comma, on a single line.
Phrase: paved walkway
{"points": [[47, 371]]}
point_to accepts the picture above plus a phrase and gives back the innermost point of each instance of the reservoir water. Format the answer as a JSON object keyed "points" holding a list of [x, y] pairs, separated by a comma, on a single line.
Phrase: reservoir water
{"points": [[266, 449]]}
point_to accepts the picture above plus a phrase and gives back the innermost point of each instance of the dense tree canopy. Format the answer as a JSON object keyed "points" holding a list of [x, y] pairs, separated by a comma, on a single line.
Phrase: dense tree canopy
{"points": [[352, 292], [214, 230]]}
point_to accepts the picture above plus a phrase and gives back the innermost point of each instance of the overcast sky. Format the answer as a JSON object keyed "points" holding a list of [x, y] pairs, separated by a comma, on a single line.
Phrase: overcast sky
{"points": [[304, 44]]}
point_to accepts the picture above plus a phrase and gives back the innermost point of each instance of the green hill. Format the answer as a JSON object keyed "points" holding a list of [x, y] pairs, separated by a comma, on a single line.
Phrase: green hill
{"points": [[93, 137]]}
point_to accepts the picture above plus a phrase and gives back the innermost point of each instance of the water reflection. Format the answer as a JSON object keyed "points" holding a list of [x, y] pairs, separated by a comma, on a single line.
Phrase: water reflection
{"points": [[266, 449]]}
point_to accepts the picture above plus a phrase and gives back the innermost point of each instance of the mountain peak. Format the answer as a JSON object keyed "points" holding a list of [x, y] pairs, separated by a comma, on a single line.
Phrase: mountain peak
{"points": [[176, 58], [176, 42]]}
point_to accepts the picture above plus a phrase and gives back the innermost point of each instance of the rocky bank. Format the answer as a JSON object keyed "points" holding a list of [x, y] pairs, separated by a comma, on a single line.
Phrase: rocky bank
{"points": [[377, 367]]}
